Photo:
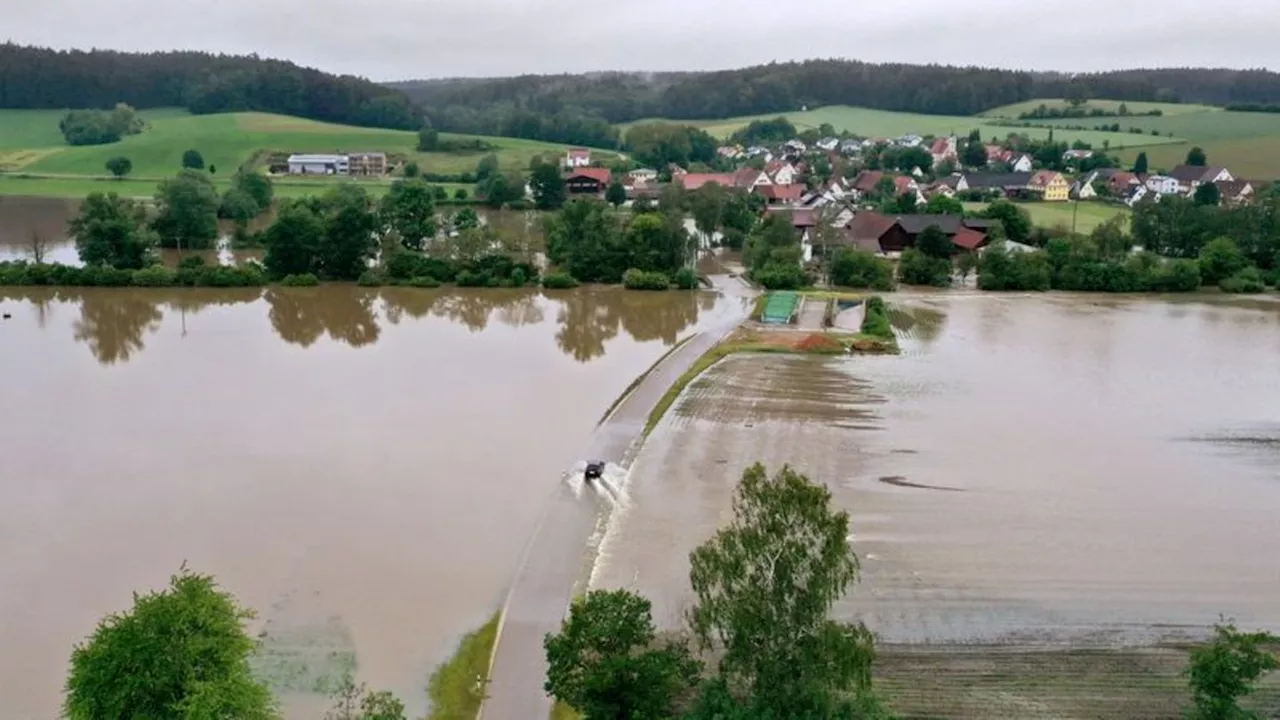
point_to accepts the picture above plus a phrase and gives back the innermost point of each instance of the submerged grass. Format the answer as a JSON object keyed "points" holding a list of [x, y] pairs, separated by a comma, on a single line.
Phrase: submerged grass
{"points": [[560, 711], [457, 687]]}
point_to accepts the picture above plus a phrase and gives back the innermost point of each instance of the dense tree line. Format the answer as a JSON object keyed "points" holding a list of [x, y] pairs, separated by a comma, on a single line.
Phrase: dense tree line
{"points": [[43, 78], [778, 87]]}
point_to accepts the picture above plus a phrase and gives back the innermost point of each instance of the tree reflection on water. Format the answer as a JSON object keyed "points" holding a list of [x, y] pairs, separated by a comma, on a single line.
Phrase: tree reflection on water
{"points": [[114, 322]]}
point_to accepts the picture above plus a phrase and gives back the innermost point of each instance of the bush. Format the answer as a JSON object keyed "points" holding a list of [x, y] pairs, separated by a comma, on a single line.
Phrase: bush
{"points": [[425, 281], [1248, 280], [634, 279], [155, 276], [467, 278], [1173, 276], [686, 279], [303, 280], [916, 268], [875, 319], [774, 276], [404, 265], [861, 269], [1003, 270], [191, 262], [371, 278], [102, 276], [559, 280], [248, 275], [1220, 259]]}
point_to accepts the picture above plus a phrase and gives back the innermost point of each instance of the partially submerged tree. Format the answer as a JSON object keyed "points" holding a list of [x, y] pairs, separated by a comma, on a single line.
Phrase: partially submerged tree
{"points": [[409, 210], [187, 212], [1226, 670], [607, 663], [765, 585], [182, 652], [111, 230], [357, 702]]}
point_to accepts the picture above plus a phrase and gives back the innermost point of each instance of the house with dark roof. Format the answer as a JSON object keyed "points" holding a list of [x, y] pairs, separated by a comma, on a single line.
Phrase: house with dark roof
{"points": [[1010, 184], [1190, 177], [885, 234], [588, 181], [1234, 192]]}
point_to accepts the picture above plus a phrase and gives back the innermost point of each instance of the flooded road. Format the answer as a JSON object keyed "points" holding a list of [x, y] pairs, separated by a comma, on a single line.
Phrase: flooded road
{"points": [[1033, 469], [362, 467]]}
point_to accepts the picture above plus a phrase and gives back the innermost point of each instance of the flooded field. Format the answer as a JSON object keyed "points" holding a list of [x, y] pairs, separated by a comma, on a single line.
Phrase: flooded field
{"points": [[1039, 471], [362, 467]]}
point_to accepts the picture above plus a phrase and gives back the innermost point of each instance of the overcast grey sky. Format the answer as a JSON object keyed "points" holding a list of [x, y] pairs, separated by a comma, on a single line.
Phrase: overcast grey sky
{"points": [[403, 39]]}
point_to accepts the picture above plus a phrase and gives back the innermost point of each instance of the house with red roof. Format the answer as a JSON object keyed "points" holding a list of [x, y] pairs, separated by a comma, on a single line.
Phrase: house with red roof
{"points": [[693, 181], [780, 194], [943, 149], [588, 181], [884, 234]]}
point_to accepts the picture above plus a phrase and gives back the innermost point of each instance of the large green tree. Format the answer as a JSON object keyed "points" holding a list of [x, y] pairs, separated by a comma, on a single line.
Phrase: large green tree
{"points": [[192, 160], [348, 242], [707, 205], [119, 166], [182, 652], [585, 240], [1226, 670], [1196, 157], [409, 210], [1220, 259], [187, 212], [256, 185], [1015, 221], [765, 585], [607, 663], [1140, 164], [547, 185], [293, 240], [111, 230]]}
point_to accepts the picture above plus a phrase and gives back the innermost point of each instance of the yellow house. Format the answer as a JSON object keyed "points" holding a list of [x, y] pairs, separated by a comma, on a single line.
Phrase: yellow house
{"points": [[1052, 186]]}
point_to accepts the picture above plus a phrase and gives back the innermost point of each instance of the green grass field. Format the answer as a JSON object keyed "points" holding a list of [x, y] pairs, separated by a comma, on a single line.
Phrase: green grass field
{"points": [[1169, 109], [1247, 143], [31, 144], [1088, 216], [78, 187], [883, 123]]}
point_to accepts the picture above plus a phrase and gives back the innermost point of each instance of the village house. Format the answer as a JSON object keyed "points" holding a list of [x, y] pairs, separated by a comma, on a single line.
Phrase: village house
{"points": [[1014, 184], [1135, 194], [1164, 185], [577, 157], [904, 185], [865, 183], [828, 144], [778, 195], [1021, 163], [943, 149], [588, 181], [1234, 192], [1070, 155], [729, 152], [780, 172], [1051, 186], [1190, 177], [804, 221], [367, 164], [909, 141], [675, 170], [851, 147], [1121, 183], [749, 177], [693, 181], [795, 147], [890, 234]]}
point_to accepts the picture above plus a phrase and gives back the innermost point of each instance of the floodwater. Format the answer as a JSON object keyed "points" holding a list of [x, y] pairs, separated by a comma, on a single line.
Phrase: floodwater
{"points": [[362, 467], [1032, 469]]}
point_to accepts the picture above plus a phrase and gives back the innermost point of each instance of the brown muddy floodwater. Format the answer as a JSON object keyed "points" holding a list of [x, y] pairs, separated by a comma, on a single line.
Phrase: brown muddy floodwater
{"points": [[1044, 469], [361, 467]]}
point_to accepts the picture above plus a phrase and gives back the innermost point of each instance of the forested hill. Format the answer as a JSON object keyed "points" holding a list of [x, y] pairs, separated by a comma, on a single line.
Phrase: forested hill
{"points": [[41, 78], [933, 89]]}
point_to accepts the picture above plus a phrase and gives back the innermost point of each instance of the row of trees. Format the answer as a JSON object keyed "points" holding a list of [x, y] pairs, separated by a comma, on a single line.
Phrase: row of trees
{"points": [[594, 243], [782, 87], [1105, 262], [32, 77]]}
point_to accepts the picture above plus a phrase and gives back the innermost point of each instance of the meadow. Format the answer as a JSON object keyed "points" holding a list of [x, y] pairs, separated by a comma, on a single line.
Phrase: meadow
{"points": [[1247, 143], [883, 123], [1168, 109], [31, 145], [1087, 216]]}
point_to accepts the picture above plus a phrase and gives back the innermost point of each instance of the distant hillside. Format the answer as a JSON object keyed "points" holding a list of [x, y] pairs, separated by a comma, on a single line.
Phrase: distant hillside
{"points": [[45, 79], [779, 87]]}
